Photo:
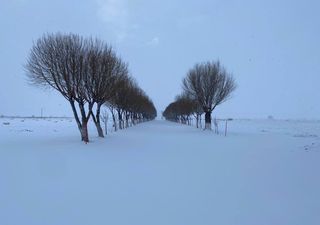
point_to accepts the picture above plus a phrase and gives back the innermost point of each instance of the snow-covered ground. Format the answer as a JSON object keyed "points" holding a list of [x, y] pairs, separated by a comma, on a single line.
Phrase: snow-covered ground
{"points": [[160, 173]]}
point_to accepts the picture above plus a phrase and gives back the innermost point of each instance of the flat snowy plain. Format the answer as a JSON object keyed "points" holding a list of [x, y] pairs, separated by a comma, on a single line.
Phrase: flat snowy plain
{"points": [[265, 172]]}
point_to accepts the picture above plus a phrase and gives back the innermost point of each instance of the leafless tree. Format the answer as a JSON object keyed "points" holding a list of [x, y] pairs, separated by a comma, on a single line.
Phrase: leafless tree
{"points": [[120, 98], [197, 110], [210, 84], [87, 73], [104, 68], [58, 61], [131, 103], [180, 110]]}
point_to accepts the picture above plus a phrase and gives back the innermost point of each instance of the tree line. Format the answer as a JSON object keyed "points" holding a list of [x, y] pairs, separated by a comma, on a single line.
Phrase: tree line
{"points": [[88, 74], [205, 86]]}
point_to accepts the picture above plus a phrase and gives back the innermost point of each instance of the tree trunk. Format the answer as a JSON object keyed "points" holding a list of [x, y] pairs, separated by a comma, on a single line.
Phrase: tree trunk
{"points": [[84, 131], [135, 118], [75, 114], [85, 118], [127, 119], [106, 123], [207, 120], [120, 119], [114, 120], [197, 118], [99, 130], [97, 122]]}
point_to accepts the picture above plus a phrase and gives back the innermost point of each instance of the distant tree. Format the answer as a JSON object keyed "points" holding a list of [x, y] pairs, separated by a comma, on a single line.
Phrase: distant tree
{"points": [[181, 109], [120, 98], [184, 107], [210, 85], [172, 112], [130, 103], [196, 108]]}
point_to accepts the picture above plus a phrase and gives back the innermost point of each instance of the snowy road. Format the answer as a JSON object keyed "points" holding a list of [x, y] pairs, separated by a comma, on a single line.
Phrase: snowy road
{"points": [[158, 173]]}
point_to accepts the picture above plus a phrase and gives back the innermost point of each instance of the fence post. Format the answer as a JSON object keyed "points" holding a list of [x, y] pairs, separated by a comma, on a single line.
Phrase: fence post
{"points": [[226, 128]]}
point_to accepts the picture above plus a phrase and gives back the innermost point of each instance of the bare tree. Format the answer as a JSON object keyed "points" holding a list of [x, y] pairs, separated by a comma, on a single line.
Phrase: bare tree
{"points": [[197, 110], [121, 97], [210, 85], [104, 68], [58, 61], [87, 72], [181, 109], [131, 103]]}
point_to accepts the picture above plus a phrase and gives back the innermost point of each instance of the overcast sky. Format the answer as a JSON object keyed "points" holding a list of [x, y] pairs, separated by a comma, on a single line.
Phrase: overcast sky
{"points": [[271, 47]]}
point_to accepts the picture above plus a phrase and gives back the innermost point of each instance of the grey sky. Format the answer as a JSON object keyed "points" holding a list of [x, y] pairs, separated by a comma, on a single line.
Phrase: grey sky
{"points": [[271, 47]]}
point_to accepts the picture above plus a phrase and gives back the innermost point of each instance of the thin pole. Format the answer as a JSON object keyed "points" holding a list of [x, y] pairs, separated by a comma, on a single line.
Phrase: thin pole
{"points": [[226, 128]]}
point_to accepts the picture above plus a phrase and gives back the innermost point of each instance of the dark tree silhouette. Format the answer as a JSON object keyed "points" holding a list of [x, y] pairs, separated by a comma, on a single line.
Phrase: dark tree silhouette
{"points": [[130, 103], [181, 109], [210, 85]]}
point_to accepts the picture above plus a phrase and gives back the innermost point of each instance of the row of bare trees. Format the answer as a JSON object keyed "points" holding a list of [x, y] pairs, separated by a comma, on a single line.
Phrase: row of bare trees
{"points": [[88, 74], [183, 110], [206, 86]]}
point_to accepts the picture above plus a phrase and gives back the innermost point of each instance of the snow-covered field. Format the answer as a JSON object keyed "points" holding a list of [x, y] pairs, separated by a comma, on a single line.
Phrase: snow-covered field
{"points": [[265, 172]]}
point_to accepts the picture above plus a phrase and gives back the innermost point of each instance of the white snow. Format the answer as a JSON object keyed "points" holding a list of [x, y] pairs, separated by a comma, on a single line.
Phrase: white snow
{"points": [[160, 173]]}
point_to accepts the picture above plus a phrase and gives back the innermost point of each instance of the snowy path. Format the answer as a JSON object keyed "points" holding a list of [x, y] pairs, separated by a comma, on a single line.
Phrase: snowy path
{"points": [[158, 173]]}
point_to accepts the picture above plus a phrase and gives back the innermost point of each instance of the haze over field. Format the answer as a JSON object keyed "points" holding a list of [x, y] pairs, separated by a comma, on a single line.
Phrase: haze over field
{"points": [[271, 47]]}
